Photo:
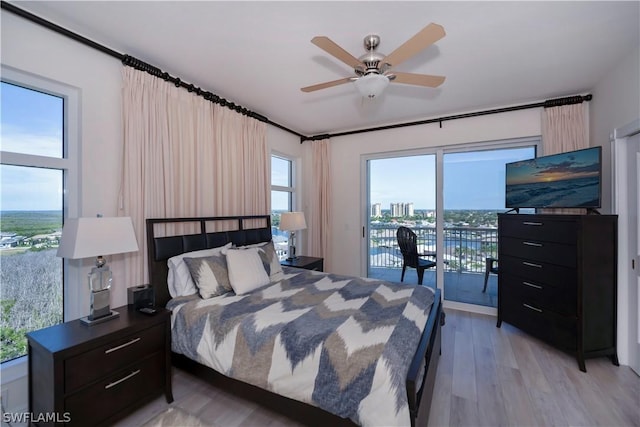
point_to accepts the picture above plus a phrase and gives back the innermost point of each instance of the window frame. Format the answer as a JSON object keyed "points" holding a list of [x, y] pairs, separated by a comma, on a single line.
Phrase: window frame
{"points": [[291, 189], [69, 164]]}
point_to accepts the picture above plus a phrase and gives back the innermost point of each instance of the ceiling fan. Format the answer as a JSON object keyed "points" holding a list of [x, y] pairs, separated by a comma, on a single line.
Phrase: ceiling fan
{"points": [[373, 69]]}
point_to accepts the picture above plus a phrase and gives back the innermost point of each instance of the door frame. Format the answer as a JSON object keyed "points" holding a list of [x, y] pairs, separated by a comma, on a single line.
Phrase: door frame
{"points": [[628, 277]]}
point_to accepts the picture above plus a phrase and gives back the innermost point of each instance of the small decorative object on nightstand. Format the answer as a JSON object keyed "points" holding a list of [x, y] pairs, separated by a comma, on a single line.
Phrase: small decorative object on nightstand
{"points": [[94, 376], [306, 262]]}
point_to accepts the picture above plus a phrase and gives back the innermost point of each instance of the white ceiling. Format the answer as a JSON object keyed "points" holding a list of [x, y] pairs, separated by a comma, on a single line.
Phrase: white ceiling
{"points": [[259, 54]]}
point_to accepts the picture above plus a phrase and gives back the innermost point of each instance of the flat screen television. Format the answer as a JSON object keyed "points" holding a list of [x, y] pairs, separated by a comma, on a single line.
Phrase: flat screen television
{"points": [[563, 180]]}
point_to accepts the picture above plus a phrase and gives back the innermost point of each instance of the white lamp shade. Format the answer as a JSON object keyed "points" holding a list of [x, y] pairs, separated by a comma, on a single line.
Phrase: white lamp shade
{"points": [[371, 85], [99, 236], [292, 221]]}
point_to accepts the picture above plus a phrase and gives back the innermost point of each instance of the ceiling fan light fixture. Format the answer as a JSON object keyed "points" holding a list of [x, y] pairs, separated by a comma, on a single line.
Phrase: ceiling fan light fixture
{"points": [[371, 85]]}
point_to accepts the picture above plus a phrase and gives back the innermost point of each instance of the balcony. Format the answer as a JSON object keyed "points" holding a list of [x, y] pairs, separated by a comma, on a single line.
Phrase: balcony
{"points": [[465, 251]]}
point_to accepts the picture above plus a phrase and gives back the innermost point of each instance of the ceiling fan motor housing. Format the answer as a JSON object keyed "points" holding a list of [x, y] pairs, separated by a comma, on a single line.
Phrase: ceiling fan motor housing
{"points": [[372, 59]]}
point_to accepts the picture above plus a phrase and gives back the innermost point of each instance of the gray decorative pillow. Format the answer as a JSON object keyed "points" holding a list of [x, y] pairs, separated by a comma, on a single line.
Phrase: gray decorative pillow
{"points": [[210, 275]]}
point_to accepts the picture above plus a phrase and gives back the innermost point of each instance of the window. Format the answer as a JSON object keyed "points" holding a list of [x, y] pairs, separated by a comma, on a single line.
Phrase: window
{"points": [[282, 195], [38, 170]]}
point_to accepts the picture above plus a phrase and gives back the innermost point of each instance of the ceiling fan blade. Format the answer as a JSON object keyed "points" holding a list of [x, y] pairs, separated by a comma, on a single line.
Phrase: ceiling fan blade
{"points": [[329, 46], [423, 39], [326, 84], [417, 79]]}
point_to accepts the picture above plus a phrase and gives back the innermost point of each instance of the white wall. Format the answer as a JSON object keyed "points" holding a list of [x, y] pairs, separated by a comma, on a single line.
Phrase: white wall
{"points": [[346, 153]]}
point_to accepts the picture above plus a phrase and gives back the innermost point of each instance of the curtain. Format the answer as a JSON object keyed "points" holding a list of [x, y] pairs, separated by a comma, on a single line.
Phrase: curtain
{"points": [[564, 129], [185, 156], [319, 203]]}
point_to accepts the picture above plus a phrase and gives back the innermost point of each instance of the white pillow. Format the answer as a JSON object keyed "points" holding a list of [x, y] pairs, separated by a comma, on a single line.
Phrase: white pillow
{"points": [[275, 269], [246, 270], [179, 280]]}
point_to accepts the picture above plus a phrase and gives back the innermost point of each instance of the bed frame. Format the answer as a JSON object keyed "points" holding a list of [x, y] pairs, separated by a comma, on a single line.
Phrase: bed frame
{"points": [[211, 232]]}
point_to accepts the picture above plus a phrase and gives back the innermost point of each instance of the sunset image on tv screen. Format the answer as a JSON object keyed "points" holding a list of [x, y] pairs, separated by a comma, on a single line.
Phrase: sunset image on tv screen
{"points": [[561, 180]]}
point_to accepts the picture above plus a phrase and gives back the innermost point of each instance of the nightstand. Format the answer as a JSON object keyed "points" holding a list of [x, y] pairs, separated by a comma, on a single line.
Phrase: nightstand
{"points": [[97, 374], [306, 262]]}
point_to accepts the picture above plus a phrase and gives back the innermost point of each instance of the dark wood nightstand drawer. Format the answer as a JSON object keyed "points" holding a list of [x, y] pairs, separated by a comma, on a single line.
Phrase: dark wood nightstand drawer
{"points": [[115, 392], [85, 368], [100, 373]]}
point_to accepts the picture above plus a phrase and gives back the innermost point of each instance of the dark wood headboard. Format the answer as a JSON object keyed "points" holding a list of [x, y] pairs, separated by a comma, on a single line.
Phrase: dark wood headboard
{"points": [[194, 234]]}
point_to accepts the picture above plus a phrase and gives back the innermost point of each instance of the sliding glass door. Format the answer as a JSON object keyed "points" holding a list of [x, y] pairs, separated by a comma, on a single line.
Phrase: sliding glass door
{"points": [[474, 194], [402, 193], [450, 198]]}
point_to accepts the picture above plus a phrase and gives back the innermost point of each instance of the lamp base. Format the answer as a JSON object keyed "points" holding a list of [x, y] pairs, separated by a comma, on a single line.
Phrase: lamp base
{"points": [[85, 320], [292, 253]]}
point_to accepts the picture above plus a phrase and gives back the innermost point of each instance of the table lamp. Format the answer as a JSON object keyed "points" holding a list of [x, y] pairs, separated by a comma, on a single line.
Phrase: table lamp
{"points": [[97, 237], [292, 222]]}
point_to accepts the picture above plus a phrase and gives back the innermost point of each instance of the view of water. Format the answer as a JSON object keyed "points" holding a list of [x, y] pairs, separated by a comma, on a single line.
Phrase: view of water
{"points": [[581, 192]]}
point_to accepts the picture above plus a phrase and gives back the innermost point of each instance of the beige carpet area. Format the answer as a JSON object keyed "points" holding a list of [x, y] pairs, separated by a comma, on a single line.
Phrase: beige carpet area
{"points": [[176, 417]]}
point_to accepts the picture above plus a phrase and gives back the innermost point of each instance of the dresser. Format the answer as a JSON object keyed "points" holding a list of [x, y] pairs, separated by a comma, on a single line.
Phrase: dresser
{"points": [[93, 375], [557, 280]]}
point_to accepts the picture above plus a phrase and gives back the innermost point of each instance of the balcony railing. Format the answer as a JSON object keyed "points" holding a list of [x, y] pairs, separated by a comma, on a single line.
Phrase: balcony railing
{"points": [[465, 248]]}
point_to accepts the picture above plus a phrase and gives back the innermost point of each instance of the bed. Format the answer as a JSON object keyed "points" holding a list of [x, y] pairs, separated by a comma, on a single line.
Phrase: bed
{"points": [[349, 370]]}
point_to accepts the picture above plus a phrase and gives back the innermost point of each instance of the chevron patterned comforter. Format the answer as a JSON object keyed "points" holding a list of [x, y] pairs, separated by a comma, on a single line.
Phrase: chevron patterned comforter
{"points": [[341, 343]]}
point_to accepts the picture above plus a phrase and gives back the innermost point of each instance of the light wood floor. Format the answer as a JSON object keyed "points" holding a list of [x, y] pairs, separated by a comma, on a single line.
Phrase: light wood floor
{"points": [[486, 377]]}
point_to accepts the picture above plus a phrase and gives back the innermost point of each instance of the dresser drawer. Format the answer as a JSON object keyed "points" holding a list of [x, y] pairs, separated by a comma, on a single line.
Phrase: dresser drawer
{"points": [[539, 228], [539, 272], [561, 299], [85, 368], [537, 250], [547, 325], [115, 392]]}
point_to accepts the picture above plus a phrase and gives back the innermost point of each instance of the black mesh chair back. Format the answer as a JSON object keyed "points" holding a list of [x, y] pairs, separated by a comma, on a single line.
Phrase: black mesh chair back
{"points": [[408, 243]]}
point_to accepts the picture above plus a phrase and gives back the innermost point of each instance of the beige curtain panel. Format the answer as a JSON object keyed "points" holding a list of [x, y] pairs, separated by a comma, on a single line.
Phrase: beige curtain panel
{"points": [[185, 156], [320, 201], [565, 129]]}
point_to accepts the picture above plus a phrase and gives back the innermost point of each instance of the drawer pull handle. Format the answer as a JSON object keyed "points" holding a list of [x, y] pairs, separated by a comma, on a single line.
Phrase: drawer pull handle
{"points": [[115, 383], [530, 264], [532, 285], [531, 223], [537, 245], [530, 307], [135, 340]]}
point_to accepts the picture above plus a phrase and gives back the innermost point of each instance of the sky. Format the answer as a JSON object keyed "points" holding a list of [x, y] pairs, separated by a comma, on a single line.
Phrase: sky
{"points": [[31, 123], [472, 180], [558, 167]]}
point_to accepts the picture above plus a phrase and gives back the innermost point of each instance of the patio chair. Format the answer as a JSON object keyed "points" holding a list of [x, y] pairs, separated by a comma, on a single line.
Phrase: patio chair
{"points": [[408, 242], [491, 266]]}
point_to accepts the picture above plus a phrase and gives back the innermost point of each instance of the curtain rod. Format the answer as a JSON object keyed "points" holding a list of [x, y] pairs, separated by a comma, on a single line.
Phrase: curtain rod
{"points": [[577, 99], [141, 65]]}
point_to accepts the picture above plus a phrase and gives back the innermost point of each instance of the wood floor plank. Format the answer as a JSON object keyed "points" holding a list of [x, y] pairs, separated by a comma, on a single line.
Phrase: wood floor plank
{"points": [[464, 375]]}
